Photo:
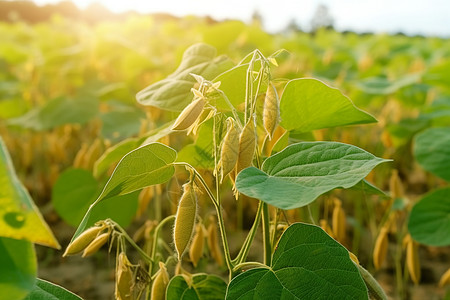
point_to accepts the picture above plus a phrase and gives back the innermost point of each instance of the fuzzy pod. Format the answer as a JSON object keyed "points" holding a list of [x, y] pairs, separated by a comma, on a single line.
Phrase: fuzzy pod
{"points": [[144, 198], [247, 144], [445, 279], [271, 110], [213, 242], [198, 242], [339, 221], [83, 240], [185, 219], [80, 156], [92, 154], [96, 244], [381, 247], [230, 150], [189, 114], [124, 278], [160, 283], [412, 260]]}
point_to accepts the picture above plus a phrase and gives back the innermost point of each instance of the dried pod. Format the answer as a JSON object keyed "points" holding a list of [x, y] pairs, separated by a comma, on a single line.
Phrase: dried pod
{"points": [[92, 154], [230, 149], [198, 242], [412, 260], [83, 240], [213, 241], [326, 227], [445, 279], [185, 219], [271, 110], [339, 221], [189, 114], [160, 283], [96, 244], [395, 186], [381, 247], [124, 278], [247, 144]]}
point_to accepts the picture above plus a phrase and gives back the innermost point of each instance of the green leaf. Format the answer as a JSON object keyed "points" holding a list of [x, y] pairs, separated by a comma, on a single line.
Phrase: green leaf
{"points": [[18, 268], [309, 104], [58, 112], [307, 264], [147, 165], [233, 84], [429, 221], [117, 125], [368, 188], [432, 151], [45, 290], [301, 172], [19, 216], [115, 153], [76, 189], [204, 287], [174, 92]]}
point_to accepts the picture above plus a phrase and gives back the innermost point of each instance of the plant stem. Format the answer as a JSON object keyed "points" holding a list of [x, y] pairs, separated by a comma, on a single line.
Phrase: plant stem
{"points": [[249, 265], [132, 243], [243, 252], [266, 235], [374, 288]]}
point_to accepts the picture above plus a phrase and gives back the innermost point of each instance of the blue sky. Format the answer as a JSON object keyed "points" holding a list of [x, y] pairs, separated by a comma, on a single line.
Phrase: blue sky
{"points": [[430, 17]]}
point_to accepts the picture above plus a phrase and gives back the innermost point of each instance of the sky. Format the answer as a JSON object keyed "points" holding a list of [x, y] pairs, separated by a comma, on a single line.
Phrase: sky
{"points": [[427, 17]]}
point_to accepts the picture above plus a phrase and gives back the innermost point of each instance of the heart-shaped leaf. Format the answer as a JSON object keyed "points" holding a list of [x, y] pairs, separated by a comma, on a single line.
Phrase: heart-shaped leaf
{"points": [[432, 151], [309, 104], [203, 287], [307, 264], [147, 165], [429, 221], [301, 172]]}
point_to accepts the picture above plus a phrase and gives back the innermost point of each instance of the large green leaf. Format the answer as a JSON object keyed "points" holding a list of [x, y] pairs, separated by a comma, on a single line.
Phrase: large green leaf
{"points": [[76, 189], [174, 92], [233, 84], [58, 112], [429, 221], [147, 165], [384, 86], [19, 217], [432, 151], [18, 268], [309, 104], [203, 287], [45, 290], [307, 264], [301, 172], [120, 124]]}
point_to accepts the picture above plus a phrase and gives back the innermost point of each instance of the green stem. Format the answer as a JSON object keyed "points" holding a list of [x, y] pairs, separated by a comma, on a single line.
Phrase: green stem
{"points": [[249, 265], [374, 288], [266, 235], [233, 109], [132, 243], [243, 252]]}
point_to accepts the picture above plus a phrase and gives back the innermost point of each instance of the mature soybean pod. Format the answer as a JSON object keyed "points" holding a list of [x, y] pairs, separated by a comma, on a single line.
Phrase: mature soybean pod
{"points": [[83, 240], [339, 221], [160, 283], [185, 219], [247, 144], [124, 278], [213, 241], [96, 244], [381, 247], [445, 279], [189, 114], [198, 242], [412, 260], [271, 110], [230, 149]]}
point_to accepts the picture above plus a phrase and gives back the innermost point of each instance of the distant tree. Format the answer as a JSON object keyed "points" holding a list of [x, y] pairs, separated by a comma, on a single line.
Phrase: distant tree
{"points": [[292, 26], [321, 18], [257, 18]]}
